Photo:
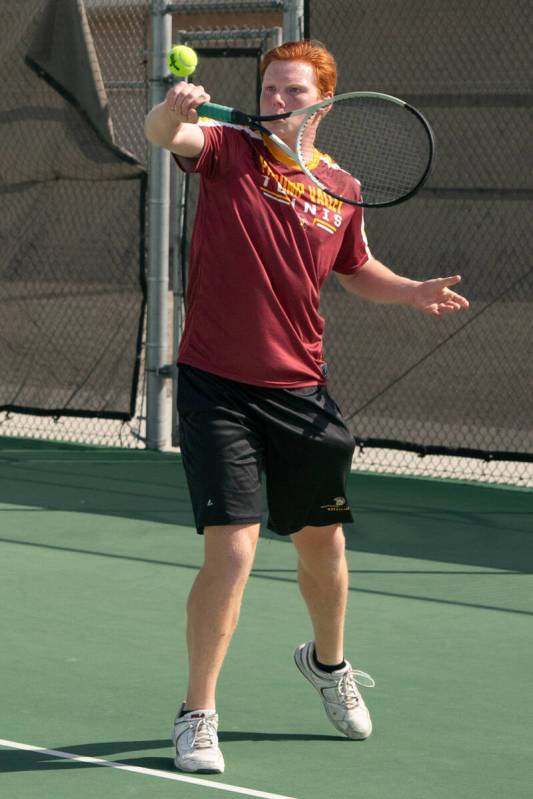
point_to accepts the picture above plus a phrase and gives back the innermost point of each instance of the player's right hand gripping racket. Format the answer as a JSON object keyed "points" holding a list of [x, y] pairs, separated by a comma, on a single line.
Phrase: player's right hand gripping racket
{"points": [[381, 141]]}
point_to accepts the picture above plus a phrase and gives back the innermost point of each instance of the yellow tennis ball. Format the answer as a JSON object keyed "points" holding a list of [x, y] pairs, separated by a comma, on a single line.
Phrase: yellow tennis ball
{"points": [[182, 60]]}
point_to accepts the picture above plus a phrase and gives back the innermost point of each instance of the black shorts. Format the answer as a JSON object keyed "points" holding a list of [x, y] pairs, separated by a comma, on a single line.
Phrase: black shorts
{"points": [[231, 434]]}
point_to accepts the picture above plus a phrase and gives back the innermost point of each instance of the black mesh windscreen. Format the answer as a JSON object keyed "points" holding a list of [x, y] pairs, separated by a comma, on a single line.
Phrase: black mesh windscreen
{"points": [[464, 382], [71, 224]]}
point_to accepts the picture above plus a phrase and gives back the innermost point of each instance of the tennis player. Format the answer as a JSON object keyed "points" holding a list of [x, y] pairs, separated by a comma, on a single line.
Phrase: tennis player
{"points": [[252, 391]]}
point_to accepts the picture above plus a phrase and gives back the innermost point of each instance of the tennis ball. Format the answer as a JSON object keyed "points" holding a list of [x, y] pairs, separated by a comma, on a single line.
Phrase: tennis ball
{"points": [[182, 60]]}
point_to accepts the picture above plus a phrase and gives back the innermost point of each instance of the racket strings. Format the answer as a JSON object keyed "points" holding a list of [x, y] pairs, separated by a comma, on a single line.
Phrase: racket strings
{"points": [[383, 145]]}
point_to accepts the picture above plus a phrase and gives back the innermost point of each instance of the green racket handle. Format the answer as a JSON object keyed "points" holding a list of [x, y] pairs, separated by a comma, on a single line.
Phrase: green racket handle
{"points": [[222, 113]]}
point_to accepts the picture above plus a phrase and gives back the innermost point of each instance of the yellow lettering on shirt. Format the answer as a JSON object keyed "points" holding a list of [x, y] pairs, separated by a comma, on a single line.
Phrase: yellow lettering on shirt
{"points": [[321, 198], [290, 187], [312, 197]]}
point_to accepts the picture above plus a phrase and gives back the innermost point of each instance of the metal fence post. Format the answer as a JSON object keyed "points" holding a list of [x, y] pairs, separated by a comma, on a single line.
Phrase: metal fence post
{"points": [[158, 232], [293, 20]]}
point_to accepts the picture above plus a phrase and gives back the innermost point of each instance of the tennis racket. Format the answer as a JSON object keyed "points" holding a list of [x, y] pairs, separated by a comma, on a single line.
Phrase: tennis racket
{"points": [[381, 141]]}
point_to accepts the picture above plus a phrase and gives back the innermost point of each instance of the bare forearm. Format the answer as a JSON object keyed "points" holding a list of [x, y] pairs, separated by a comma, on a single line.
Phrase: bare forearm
{"points": [[161, 126], [377, 283], [172, 123]]}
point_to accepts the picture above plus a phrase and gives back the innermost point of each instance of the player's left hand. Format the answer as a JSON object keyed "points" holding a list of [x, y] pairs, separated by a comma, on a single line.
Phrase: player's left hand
{"points": [[436, 298]]}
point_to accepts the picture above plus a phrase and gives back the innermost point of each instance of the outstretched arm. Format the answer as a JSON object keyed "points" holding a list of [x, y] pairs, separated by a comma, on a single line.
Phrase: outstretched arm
{"points": [[378, 283], [171, 124]]}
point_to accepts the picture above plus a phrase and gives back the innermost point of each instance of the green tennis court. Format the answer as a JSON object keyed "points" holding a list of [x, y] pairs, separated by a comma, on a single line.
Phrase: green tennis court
{"points": [[97, 557]]}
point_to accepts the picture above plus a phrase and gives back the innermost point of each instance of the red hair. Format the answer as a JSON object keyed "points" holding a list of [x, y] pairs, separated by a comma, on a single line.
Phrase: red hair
{"points": [[311, 51]]}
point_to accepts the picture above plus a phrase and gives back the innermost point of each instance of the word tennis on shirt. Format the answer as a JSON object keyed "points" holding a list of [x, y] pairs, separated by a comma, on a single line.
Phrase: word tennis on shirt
{"points": [[281, 188]]}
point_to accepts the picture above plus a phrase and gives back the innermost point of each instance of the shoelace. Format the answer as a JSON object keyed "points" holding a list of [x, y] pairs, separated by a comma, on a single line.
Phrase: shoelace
{"points": [[204, 734], [347, 687]]}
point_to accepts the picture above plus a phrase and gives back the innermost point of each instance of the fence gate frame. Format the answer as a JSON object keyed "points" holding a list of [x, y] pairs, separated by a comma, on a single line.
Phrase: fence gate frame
{"points": [[164, 183]]}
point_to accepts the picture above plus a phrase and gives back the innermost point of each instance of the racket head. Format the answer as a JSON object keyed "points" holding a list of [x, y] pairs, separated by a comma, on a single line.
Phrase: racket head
{"points": [[382, 142]]}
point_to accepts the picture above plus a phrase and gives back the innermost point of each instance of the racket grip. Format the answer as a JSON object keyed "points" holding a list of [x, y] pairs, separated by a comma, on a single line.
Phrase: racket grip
{"points": [[222, 113]]}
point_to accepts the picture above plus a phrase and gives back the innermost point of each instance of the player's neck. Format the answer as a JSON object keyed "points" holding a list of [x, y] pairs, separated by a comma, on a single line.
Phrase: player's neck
{"points": [[280, 155]]}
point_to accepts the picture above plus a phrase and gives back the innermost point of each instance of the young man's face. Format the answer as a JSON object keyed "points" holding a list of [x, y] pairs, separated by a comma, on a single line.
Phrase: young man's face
{"points": [[288, 85]]}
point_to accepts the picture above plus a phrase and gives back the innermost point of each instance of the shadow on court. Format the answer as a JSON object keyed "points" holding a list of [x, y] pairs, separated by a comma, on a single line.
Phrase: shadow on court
{"points": [[478, 525], [13, 760], [114, 482], [98, 554]]}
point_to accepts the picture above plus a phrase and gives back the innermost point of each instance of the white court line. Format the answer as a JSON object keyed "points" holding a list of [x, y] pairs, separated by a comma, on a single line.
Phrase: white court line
{"points": [[151, 772]]}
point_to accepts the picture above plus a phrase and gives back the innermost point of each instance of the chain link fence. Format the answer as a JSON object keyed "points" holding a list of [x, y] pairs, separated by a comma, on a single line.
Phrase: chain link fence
{"points": [[120, 31], [71, 293], [410, 386]]}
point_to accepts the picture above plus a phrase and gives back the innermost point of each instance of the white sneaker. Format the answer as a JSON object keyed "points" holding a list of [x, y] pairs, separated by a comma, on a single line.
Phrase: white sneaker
{"points": [[343, 703], [195, 737]]}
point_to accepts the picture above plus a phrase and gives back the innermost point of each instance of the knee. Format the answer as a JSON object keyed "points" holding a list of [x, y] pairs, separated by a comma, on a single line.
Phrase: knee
{"points": [[229, 553], [321, 549]]}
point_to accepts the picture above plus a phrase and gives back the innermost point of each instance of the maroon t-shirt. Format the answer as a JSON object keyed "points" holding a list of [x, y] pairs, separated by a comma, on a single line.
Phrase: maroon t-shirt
{"points": [[265, 239]]}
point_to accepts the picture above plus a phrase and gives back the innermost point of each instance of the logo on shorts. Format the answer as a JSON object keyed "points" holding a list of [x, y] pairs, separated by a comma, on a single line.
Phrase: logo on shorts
{"points": [[339, 503], [210, 503]]}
